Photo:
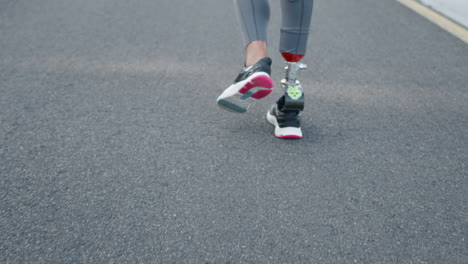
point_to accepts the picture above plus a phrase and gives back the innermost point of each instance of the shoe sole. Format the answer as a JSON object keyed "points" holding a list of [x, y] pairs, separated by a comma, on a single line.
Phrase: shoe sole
{"points": [[284, 132], [237, 97]]}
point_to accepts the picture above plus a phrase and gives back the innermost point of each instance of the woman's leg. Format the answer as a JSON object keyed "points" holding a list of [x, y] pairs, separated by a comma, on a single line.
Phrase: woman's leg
{"points": [[253, 17], [284, 115], [253, 82], [296, 17]]}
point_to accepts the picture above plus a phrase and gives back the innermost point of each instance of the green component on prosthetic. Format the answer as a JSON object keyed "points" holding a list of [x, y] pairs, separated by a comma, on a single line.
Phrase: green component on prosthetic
{"points": [[294, 92]]}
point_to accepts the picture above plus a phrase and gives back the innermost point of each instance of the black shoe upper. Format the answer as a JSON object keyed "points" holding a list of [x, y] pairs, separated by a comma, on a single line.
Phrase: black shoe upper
{"points": [[286, 118], [263, 65]]}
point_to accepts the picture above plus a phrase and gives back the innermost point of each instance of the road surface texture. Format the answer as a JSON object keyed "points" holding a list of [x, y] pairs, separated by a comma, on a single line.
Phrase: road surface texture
{"points": [[112, 149]]}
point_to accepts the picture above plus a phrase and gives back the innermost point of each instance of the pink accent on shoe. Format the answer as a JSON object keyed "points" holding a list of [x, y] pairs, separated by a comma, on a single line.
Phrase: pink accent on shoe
{"points": [[290, 137], [258, 81], [261, 93], [263, 81]]}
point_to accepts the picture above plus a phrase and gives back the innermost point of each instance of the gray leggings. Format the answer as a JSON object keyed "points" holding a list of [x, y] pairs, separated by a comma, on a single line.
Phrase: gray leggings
{"points": [[296, 16]]}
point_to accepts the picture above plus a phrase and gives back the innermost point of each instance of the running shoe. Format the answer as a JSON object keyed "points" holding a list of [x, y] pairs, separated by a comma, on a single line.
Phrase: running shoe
{"points": [[287, 123], [252, 83]]}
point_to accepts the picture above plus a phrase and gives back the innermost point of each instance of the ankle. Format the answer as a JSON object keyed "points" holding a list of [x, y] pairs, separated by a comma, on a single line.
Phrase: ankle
{"points": [[255, 51]]}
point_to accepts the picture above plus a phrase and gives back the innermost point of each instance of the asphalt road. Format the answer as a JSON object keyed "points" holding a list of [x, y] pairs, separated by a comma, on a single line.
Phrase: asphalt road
{"points": [[112, 149]]}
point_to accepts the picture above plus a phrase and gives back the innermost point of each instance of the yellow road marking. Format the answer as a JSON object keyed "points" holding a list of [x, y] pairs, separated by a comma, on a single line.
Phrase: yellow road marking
{"points": [[436, 18]]}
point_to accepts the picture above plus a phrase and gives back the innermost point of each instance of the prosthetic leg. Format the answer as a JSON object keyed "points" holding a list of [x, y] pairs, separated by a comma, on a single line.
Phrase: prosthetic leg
{"points": [[293, 92], [284, 115]]}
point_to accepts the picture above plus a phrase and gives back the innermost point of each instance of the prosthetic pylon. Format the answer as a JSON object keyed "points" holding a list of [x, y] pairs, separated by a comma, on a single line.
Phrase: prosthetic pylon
{"points": [[293, 92]]}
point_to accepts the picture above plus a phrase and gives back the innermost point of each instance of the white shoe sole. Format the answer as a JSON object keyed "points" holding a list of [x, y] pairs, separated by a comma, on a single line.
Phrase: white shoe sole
{"points": [[284, 132], [237, 97]]}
